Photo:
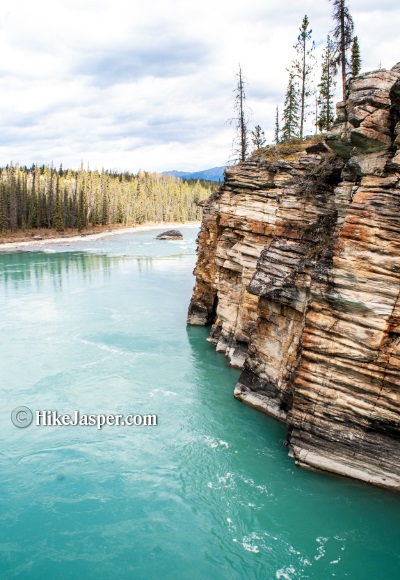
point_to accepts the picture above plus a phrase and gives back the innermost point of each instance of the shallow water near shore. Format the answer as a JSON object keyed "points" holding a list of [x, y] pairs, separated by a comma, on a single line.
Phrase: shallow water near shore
{"points": [[208, 493]]}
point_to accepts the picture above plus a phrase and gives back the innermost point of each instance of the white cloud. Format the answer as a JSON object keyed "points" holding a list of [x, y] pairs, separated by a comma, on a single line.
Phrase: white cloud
{"points": [[148, 84]]}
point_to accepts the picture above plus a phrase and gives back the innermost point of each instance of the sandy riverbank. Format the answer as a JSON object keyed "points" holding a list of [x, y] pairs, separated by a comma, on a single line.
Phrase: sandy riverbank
{"points": [[68, 237]]}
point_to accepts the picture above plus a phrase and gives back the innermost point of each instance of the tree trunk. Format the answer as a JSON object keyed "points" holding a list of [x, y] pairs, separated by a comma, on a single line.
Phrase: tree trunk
{"points": [[242, 123], [303, 92], [328, 99], [343, 49]]}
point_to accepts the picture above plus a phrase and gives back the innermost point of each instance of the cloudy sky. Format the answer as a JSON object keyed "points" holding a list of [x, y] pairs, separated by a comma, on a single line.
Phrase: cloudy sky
{"points": [[147, 84]]}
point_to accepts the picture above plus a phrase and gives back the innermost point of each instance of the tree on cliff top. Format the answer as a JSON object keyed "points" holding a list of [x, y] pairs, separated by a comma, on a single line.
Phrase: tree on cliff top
{"points": [[258, 138], [277, 127], [326, 88], [290, 129], [355, 58], [343, 38], [303, 67], [241, 141]]}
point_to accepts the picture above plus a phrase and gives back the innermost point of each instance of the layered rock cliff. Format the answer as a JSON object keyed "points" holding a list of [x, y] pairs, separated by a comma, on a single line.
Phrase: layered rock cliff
{"points": [[298, 272]]}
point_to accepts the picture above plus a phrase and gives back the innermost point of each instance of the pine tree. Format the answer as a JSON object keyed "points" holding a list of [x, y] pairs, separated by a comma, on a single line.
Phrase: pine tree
{"points": [[343, 38], [104, 209], [326, 88], [290, 129], [3, 211], [303, 67], [241, 142], [258, 138], [355, 58], [50, 196], [277, 127], [12, 205], [58, 220]]}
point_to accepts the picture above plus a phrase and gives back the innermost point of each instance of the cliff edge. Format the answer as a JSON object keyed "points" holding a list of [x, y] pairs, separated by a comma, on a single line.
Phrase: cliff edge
{"points": [[298, 272]]}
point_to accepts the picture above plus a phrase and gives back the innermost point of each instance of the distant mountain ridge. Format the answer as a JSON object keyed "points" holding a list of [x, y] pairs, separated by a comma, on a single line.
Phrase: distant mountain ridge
{"points": [[214, 174]]}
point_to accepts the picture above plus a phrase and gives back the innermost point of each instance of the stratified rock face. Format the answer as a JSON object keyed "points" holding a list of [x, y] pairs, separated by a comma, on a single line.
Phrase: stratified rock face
{"points": [[299, 274], [262, 211], [170, 235], [345, 415]]}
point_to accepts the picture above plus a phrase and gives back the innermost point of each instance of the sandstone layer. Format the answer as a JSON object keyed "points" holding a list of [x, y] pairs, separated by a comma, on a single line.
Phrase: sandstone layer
{"points": [[298, 272]]}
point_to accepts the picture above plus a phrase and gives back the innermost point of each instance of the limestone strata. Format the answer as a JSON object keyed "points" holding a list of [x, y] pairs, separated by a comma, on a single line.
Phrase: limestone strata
{"points": [[299, 273]]}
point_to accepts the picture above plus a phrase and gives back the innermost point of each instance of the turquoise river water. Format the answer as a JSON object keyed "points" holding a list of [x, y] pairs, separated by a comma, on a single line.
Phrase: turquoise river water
{"points": [[208, 493]]}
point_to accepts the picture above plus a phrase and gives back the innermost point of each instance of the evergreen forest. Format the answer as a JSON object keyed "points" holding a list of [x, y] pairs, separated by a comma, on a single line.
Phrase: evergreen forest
{"points": [[43, 197]]}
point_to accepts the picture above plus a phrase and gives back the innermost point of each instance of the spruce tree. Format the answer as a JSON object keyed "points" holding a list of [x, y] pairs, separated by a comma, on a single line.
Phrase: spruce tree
{"points": [[355, 58], [343, 37], [50, 195], [3, 211], [12, 204], [258, 138], [326, 88], [277, 127], [104, 209], [303, 67], [58, 221], [290, 129]]}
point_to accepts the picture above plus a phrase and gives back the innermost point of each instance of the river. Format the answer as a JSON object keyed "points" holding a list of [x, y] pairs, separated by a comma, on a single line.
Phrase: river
{"points": [[209, 492]]}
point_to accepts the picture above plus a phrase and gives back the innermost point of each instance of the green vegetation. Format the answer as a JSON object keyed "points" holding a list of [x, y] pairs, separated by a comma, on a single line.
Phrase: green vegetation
{"points": [[277, 127], [258, 138], [303, 67], [326, 88], [355, 57], [42, 197], [291, 127], [301, 91], [299, 88], [288, 150]]}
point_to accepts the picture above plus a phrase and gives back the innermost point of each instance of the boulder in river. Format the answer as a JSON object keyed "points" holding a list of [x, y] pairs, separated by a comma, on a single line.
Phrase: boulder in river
{"points": [[170, 235]]}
